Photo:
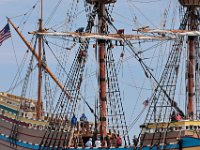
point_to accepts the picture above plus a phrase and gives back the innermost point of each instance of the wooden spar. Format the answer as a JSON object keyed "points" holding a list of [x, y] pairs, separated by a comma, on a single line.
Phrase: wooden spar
{"points": [[103, 1], [167, 33], [107, 36], [40, 42], [102, 74], [45, 67], [161, 35]]}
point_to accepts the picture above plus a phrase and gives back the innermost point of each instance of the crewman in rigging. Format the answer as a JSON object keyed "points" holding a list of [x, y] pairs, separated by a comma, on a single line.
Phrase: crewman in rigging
{"points": [[82, 54], [80, 30], [120, 32]]}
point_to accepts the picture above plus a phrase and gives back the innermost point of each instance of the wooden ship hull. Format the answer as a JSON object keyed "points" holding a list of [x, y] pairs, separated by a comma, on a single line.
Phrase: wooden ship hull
{"points": [[182, 134], [31, 133]]}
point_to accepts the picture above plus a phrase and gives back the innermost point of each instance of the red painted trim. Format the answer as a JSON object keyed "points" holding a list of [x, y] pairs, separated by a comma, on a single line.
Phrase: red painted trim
{"points": [[29, 134], [14, 121]]}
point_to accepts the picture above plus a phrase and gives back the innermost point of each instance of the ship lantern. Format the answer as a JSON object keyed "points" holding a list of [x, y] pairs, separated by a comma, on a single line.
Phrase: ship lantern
{"points": [[103, 1], [190, 2]]}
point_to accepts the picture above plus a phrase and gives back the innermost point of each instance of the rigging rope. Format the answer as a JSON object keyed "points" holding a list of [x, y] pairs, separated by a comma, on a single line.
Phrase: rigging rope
{"points": [[66, 108], [19, 70], [168, 79], [118, 121], [14, 131]]}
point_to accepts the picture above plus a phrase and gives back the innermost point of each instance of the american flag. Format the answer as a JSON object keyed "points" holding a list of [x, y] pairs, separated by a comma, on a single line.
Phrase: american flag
{"points": [[5, 33]]}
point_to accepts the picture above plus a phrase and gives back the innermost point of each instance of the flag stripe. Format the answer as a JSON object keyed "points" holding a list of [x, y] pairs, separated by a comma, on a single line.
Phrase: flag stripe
{"points": [[5, 37], [7, 34]]}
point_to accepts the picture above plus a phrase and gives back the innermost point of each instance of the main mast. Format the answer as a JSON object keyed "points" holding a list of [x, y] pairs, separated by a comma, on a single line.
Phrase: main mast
{"points": [[102, 95], [102, 29], [39, 102]]}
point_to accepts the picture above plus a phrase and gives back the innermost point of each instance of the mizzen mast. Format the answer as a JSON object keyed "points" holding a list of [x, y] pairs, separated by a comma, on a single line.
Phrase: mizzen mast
{"points": [[191, 5]]}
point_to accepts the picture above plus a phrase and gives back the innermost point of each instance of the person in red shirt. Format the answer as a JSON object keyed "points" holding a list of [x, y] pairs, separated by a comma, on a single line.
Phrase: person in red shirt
{"points": [[178, 117], [118, 141]]}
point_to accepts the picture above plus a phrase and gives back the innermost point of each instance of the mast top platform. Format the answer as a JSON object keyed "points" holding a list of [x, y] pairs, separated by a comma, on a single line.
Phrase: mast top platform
{"points": [[101, 1], [190, 3]]}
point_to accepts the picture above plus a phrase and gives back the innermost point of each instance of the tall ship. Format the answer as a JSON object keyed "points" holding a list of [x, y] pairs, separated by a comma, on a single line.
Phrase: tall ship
{"points": [[53, 111]]}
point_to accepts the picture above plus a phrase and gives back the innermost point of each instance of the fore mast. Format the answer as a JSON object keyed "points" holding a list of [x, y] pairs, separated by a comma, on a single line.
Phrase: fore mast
{"points": [[40, 41], [192, 26], [102, 29]]}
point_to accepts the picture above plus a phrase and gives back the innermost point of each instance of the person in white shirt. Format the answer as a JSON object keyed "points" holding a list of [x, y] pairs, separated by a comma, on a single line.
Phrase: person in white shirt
{"points": [[89, 143], [98, 143]]}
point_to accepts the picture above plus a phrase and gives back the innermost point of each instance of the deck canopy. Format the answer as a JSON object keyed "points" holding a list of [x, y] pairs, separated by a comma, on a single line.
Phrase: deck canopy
{"points": [[190, 2], [103, 1]]}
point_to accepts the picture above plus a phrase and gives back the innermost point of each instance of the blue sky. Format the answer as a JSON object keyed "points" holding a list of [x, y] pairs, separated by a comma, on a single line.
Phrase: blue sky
{"points": [[147, 12]]}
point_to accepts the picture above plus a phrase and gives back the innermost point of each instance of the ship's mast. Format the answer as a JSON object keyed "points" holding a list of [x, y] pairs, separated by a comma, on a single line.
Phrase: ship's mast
{"points": [[102, 95], [39, 59], [102, 29], [38, 108], [191, 63], [191, 5]]}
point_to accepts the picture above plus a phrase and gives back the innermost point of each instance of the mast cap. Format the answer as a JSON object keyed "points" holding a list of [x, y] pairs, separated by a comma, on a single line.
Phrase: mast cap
{"points": [[102, 1], [190, 2]]}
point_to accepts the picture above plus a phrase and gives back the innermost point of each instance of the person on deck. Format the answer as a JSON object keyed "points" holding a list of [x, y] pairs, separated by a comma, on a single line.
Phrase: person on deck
{"points": [[118, 141], [173, 116], [135, 140], [74, 121], [108, 141], [83, 117], [178, 117], [98, 142], [89, 143]]}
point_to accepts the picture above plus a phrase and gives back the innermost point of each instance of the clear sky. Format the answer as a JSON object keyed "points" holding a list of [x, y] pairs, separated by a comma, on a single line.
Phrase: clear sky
{"points": [[128, 14]]}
